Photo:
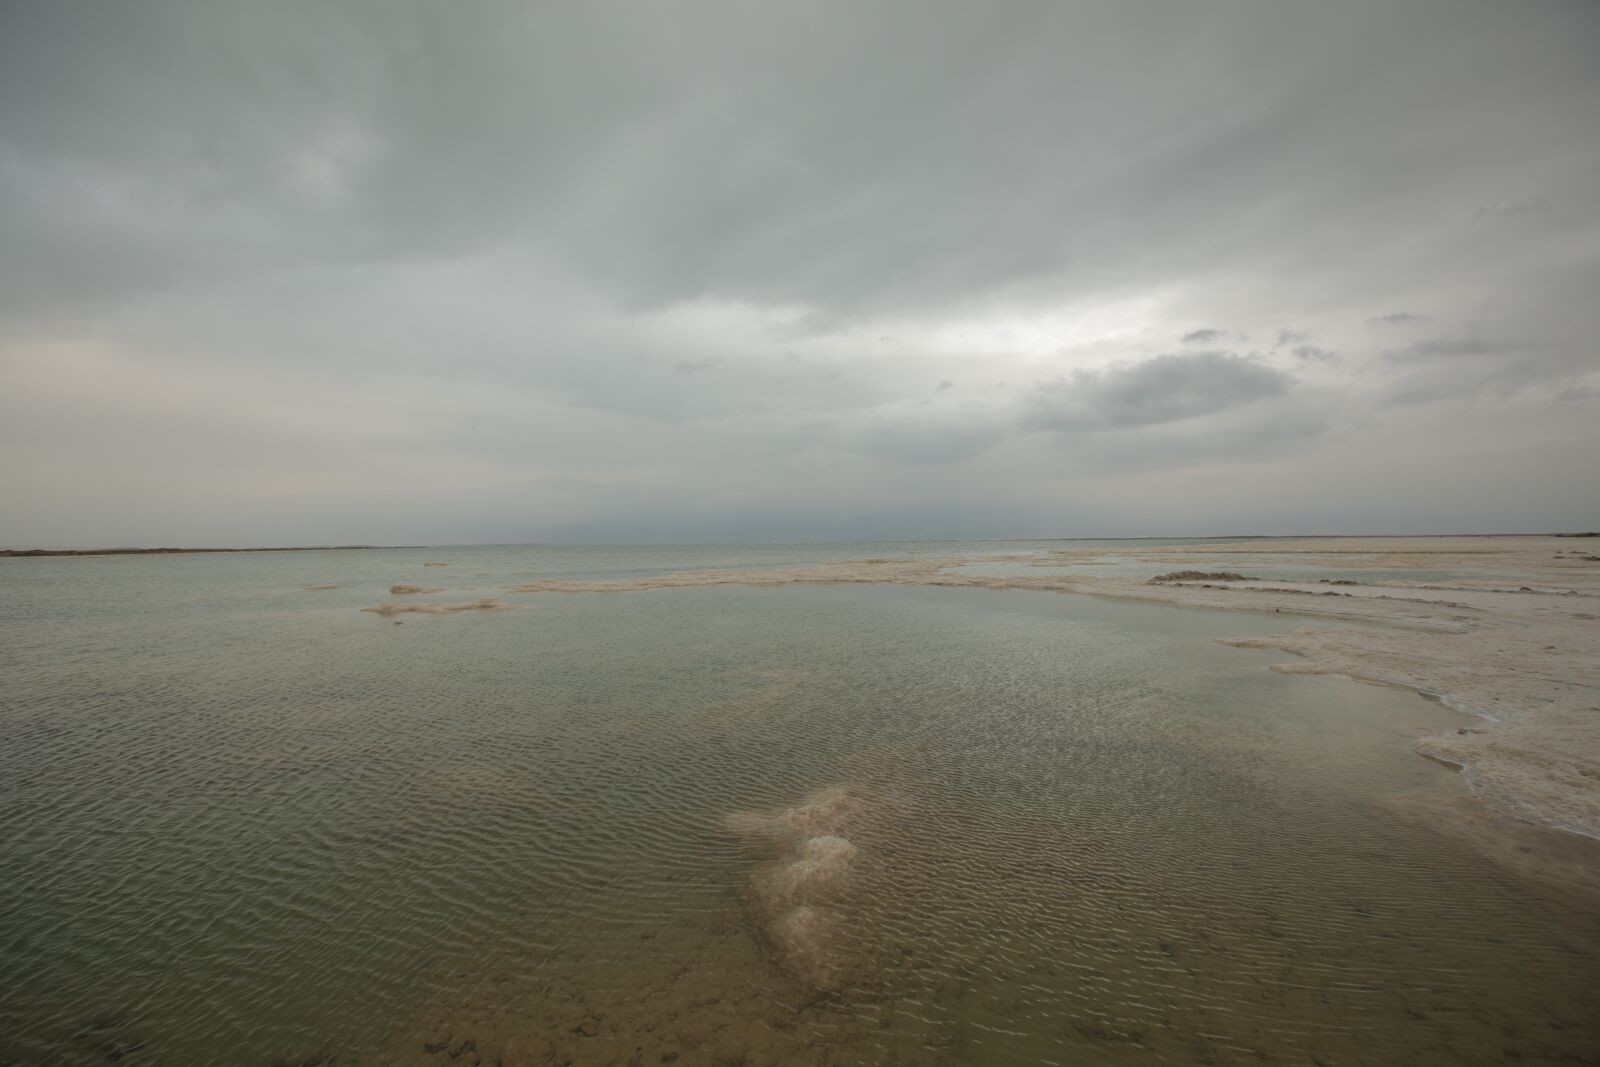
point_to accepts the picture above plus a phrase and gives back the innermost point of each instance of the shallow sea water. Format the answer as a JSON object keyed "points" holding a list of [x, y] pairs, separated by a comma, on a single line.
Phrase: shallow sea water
{"points": [[245, 823], [1255, 565]]}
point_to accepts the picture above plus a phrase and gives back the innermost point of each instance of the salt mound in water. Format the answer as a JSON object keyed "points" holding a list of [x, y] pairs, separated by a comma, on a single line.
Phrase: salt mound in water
{"points": [[813, 947], [400, 590], [802, 898], [827, 812], [817, 875]]}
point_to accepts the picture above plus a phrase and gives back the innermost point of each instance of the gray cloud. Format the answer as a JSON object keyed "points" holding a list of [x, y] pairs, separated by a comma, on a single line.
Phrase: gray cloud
{"points": [[1444, 368], [1445, 346], [1527, 206], [1159, 390], [343, 271]]}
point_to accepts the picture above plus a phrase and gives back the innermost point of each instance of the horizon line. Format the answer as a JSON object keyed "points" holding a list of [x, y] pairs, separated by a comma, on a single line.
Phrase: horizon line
{"points": [[132, 550]]}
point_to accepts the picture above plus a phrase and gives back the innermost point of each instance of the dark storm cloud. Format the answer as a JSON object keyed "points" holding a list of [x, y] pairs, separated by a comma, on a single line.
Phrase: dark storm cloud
{"points": [[565, 265], [1159, 390]]}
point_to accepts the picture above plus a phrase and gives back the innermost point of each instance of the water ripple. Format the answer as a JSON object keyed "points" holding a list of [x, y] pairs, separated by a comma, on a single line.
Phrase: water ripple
{"points": [[792, 825]]}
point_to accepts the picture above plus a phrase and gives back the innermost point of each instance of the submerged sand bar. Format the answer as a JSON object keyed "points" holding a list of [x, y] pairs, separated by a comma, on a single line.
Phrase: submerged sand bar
{"points": [[1514, 637]]}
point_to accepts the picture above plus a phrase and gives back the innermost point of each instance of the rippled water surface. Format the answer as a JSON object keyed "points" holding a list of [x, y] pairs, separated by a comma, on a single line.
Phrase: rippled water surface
{"points": [[242, 822]]}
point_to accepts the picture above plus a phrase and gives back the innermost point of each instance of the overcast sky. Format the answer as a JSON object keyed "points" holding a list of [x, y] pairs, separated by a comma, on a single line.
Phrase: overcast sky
{"points": [[479, 272]]}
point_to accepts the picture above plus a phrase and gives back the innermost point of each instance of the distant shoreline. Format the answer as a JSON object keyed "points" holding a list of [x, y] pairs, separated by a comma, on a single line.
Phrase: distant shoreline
{"points": [[24, 553], [28, 552], [1129, 537]]}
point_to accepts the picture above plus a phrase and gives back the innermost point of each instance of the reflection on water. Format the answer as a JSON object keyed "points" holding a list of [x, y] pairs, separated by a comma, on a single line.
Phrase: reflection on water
{"points": [[776, 825]]}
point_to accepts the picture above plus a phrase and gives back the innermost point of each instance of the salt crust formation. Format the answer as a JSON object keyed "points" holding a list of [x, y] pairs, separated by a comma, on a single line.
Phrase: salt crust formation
{"points": [[486, 604], [1514, 638], [802, 896]]}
